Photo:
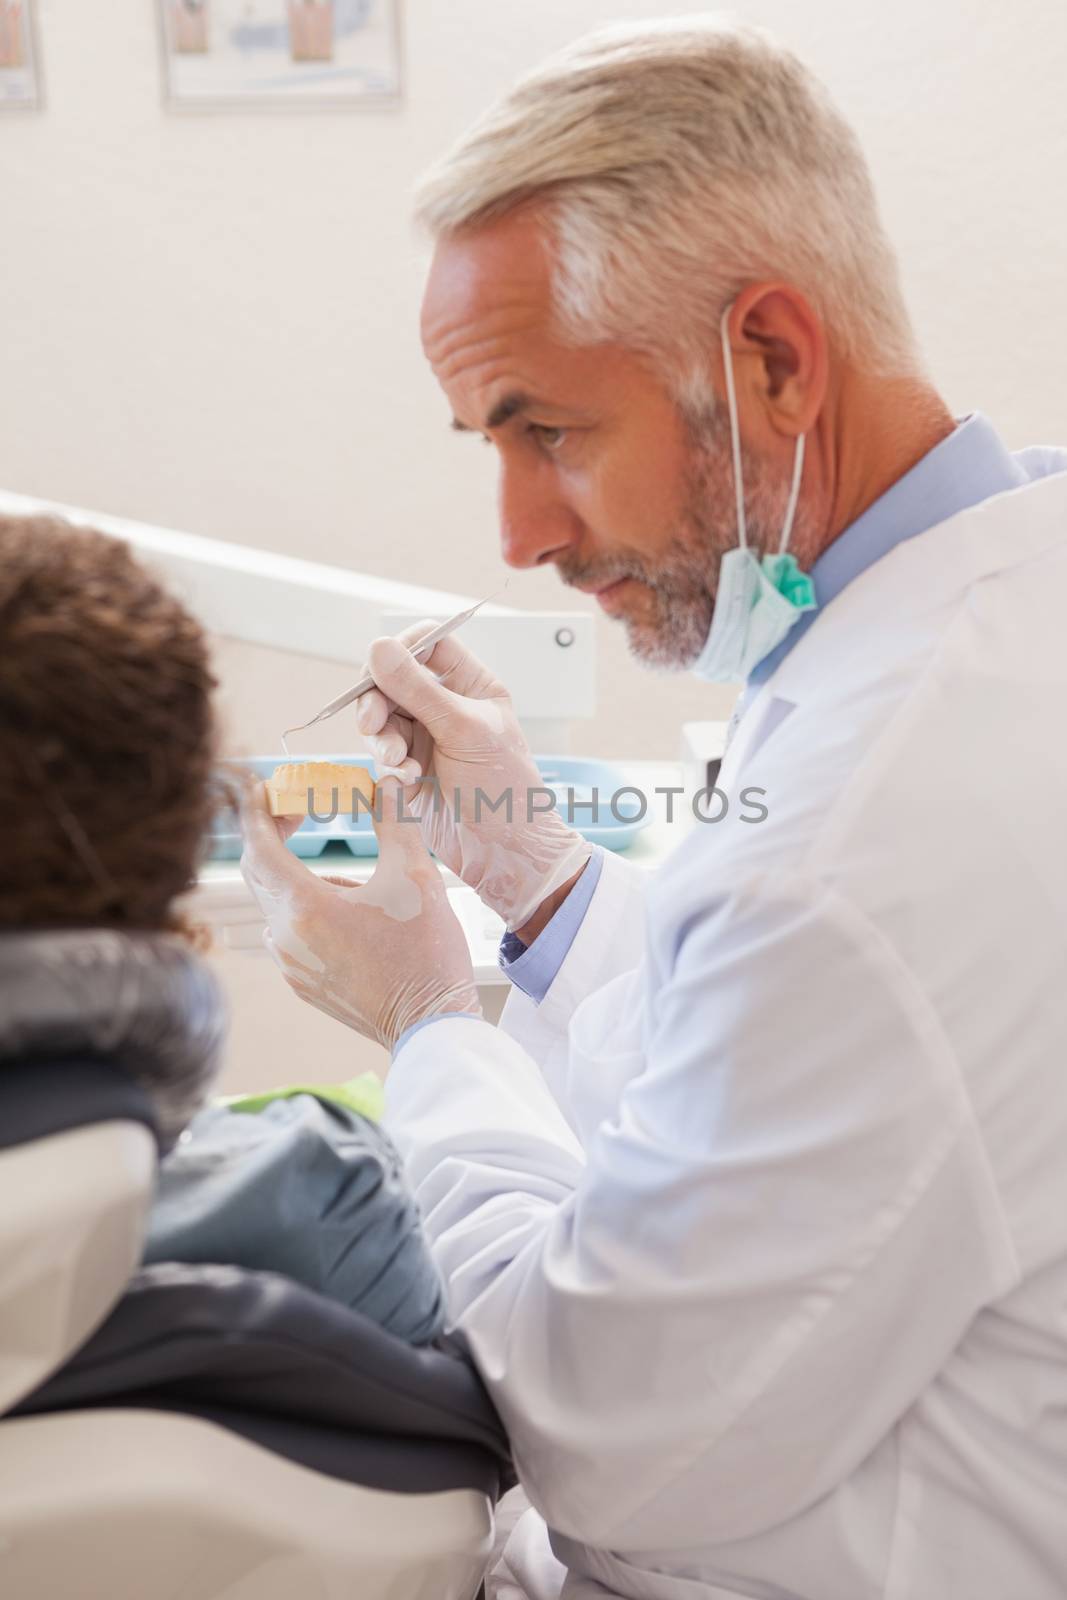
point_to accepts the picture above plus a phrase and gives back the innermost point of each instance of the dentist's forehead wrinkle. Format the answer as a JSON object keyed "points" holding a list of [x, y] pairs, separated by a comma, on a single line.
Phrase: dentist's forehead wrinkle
{"points": [[491, 333], [480, 336], [487, 364]]}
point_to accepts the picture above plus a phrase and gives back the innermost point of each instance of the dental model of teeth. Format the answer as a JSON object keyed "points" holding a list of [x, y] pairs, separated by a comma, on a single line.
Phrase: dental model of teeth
{"points": [[322, 786]]}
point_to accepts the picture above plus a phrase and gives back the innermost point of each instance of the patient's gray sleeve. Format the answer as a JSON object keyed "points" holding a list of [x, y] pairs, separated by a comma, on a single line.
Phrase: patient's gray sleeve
{"points": [[308, 1188]]}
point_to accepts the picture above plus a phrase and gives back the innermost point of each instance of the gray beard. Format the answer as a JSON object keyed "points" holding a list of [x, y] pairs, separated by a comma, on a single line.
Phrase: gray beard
{"points": [[682, 581]]}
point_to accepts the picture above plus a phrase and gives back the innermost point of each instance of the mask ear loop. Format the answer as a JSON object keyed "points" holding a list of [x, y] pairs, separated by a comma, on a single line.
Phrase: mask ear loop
{"points": [[735, 428], [794, 494], [735, 443]]}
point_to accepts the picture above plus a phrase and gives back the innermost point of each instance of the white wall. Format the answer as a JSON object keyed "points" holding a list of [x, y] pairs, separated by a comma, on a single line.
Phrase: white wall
{"points": [[210, 321]]}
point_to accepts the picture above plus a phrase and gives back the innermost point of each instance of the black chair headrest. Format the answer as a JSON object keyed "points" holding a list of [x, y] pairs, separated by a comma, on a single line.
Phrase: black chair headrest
{"points": [[40, 1096]]}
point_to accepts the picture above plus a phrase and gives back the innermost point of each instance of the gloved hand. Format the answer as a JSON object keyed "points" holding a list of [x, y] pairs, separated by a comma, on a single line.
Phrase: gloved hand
{"points": [[377, 956], [450, 722]]}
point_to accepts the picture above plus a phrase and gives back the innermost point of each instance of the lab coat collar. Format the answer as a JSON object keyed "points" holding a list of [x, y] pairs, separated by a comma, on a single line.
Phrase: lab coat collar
{"points": [[915, 576], [970, 466]]}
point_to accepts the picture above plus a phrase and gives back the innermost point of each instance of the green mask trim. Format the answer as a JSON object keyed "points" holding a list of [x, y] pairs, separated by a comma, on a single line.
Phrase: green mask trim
{"points": [[796, 586]]}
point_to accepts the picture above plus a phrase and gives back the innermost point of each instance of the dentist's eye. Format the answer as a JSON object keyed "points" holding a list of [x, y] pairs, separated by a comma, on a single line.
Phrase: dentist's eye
{"points": [[548, 438]]}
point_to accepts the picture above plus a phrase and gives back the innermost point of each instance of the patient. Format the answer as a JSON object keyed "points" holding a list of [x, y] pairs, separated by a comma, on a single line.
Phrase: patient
{"points": [[106, 756], [107, 791]]}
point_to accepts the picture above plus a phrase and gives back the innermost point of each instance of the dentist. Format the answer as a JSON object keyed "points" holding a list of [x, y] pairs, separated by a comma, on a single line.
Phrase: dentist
{"points": [[753, 1210]]}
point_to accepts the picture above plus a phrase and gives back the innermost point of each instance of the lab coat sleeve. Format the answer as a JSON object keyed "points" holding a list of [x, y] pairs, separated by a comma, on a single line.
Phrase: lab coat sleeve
{"points": [[767, 1253], [609, 942]]}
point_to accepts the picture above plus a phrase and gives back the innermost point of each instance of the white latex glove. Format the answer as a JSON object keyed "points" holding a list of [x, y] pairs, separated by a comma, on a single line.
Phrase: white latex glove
{"points": [[377, 956], [450, 721]]}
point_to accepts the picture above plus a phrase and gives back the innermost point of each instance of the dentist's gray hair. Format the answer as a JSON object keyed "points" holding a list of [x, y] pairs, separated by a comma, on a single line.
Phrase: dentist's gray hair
{"points": [[676, 162]]}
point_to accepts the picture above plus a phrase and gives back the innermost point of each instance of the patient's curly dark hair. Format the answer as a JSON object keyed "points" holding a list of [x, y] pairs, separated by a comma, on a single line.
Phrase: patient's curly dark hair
{"points": [[107, 738]]}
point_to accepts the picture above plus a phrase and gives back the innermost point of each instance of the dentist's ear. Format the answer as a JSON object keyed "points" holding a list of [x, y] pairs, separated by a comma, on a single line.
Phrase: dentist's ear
{"points": [[781, 361]]}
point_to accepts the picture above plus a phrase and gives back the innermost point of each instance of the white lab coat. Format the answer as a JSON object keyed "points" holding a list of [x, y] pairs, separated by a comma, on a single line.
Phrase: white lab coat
{"points": [[757, 1224]]}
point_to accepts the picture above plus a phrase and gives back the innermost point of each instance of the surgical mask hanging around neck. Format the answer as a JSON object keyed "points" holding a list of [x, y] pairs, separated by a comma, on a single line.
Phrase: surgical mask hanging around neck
{"points": [[756, 602]]}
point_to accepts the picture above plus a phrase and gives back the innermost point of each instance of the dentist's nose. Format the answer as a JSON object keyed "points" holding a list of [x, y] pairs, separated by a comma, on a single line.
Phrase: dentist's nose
{"points": [[536, 524]]}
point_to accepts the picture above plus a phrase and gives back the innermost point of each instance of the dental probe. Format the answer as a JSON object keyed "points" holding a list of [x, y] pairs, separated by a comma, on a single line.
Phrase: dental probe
{"points": [[420, 651]]}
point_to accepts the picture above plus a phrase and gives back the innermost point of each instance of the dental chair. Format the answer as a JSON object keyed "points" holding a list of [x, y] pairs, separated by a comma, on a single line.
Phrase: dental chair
{"points": [[199, 1432]]}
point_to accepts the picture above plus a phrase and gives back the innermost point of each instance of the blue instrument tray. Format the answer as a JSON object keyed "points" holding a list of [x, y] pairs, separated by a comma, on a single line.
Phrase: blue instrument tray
{"points": [[572, 780]]}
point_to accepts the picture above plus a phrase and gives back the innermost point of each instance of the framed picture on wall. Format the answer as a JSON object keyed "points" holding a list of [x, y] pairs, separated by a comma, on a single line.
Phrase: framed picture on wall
{"points": [[310, 54], [20, 77]]}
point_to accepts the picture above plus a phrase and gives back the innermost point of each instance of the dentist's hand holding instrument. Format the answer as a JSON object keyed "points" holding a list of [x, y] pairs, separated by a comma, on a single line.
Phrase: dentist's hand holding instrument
{"points": [[482, 804]]}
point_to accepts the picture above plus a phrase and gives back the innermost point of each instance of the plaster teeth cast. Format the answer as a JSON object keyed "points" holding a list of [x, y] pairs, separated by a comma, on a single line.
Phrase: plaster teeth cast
{"points": [[297, 787]]}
